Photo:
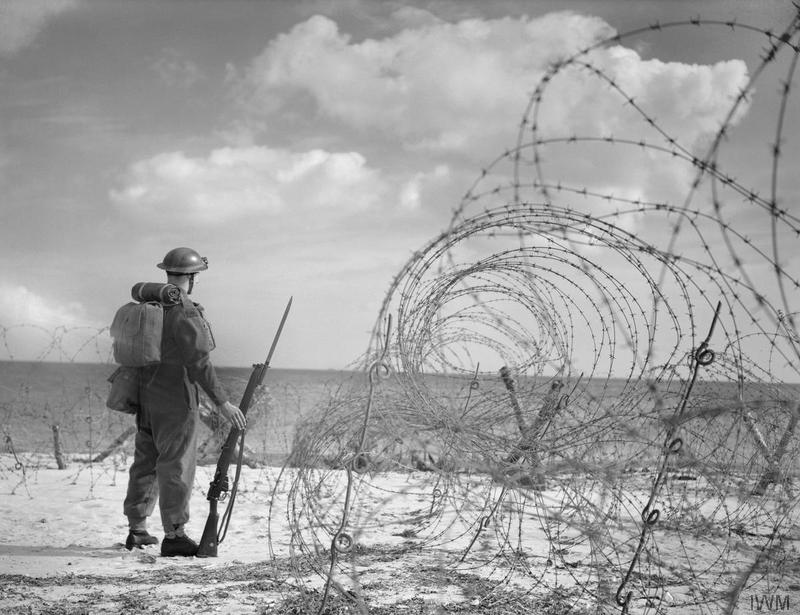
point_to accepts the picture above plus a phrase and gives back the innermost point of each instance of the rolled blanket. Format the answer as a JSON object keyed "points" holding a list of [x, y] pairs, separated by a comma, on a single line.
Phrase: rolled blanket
{"points": [[167, 294]]}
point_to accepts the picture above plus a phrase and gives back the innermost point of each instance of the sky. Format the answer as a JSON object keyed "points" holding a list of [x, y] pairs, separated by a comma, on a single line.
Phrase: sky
{"points": [[306, 148]]}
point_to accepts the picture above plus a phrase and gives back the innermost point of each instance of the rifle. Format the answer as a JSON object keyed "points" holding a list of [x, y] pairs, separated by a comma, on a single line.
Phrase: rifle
{"points": [[211, 536]]}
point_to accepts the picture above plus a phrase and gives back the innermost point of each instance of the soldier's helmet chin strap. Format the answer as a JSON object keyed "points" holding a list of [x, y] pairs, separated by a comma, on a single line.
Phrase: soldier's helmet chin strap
{"points": [[189, 275]]}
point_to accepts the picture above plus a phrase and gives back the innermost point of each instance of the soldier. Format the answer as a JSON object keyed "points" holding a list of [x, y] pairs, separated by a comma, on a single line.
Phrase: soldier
{"points": [[165, 453]]}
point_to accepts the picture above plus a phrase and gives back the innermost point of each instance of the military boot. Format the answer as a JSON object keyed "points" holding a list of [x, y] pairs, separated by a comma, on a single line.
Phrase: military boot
{"points": [[139, 538], [179, 545]]}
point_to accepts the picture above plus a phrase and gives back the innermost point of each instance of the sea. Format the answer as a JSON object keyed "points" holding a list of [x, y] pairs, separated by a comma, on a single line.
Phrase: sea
{"points": [[51, 406], [41, 402]]}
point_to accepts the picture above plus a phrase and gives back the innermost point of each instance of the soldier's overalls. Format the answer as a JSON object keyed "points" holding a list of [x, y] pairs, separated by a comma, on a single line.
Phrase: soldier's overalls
{"points": [[165, 452]]}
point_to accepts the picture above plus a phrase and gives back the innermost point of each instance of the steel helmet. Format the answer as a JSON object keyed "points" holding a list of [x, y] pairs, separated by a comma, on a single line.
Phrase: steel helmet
{"points": [[183, 260]]}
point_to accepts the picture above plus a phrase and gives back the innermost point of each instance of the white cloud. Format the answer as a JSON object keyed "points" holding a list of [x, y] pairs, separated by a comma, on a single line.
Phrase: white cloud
{"points": [[411, 191], [22, 20], [689, 101], [440, 85], [233, 182], [461, 88]]}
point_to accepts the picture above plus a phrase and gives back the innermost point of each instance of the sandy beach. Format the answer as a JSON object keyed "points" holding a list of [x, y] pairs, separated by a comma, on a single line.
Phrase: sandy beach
{"points": [[408, 548]]}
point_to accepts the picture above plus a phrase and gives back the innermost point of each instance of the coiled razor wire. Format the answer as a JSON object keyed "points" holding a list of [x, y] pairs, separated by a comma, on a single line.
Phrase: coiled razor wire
{"points": [[584, 390]]}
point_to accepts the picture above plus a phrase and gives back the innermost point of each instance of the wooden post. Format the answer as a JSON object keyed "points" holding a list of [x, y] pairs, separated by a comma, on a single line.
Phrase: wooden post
{"points": [[505, 374], [119, 441], [772, 474], [57, 446], [528, 447]]}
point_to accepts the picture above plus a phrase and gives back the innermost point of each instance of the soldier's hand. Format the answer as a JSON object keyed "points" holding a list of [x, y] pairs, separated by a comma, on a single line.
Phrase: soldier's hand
{"points": [[233, 414]]}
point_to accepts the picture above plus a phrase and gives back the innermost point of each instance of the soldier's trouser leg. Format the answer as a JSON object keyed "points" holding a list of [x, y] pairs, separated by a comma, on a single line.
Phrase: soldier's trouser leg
{"points": [[176, 441], [142, 486]]}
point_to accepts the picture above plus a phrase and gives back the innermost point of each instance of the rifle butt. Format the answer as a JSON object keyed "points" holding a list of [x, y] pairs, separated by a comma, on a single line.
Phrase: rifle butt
{"points": [[208, 542]]}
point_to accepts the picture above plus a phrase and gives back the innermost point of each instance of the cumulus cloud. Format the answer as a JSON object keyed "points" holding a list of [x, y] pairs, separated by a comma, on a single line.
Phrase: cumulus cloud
{"points": [[447, 88], [463, 87], [440, 85], [687, 104], [22, 20], [232, 182], [689, 101]]}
